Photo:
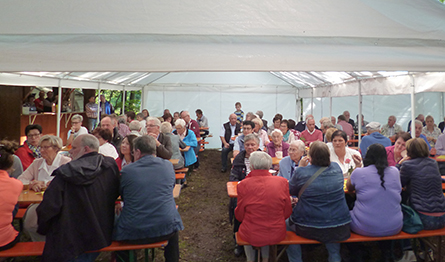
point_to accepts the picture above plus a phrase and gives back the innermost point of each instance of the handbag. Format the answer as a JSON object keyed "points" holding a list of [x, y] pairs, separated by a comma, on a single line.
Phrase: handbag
{"points": [[411, 220]]}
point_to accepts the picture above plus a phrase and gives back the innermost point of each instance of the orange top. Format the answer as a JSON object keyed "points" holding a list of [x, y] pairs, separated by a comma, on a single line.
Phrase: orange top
{"points": [[10, 189]]}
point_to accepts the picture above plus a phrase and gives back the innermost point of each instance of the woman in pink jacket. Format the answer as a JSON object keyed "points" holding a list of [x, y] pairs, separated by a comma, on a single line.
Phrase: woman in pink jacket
{"points": [[263, 206]]}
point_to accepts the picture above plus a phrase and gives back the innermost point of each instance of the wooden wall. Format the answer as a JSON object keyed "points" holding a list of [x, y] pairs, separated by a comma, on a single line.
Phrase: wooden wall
{"points": [[10, 112]]}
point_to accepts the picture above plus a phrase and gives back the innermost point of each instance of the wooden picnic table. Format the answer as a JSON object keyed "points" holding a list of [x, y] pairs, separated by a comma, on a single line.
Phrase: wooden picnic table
{"points": [[438, 158], [275, 160], [232, 188], [36, 197], [174, 161]]}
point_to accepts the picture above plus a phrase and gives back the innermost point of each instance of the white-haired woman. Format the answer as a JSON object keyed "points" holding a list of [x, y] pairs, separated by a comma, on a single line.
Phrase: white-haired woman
{"points": [[262, 210], [431, 131], [38, 174], [260, 132], [76, 128], [189, 138], [166, 129], [277, 144], [289, 163]]}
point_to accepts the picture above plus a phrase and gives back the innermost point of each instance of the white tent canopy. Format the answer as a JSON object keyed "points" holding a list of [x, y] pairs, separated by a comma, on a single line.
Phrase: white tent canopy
{"points": [[234, 35]]}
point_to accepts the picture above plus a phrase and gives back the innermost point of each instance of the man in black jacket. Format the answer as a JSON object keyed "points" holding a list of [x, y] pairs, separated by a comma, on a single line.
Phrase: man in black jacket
{"points": [[228, 133], [77, 212], [163, 143]]}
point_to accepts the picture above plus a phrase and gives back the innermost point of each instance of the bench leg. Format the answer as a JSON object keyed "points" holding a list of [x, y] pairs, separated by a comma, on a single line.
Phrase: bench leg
{"points": [[281, 253]]}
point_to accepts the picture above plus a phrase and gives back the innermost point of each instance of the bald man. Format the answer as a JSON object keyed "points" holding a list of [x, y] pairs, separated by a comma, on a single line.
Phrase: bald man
{"points": [[228, 130]]}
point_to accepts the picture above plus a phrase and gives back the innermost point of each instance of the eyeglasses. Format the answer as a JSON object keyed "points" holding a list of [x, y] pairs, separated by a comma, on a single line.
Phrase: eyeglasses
{"points": [[45, 147], [151, 125], [74, 123], [33, 135]]}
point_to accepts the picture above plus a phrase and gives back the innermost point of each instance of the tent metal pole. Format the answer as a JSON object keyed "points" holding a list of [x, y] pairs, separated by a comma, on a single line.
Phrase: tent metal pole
{"points": [[330, 103], [124, 97], [59, 107], [360, 104], [98, 106], [142, 99], [312, 101], [413, 106]]}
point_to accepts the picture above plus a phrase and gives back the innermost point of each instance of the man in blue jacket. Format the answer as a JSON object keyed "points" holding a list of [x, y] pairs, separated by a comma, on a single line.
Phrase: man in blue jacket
{"points": [[149, 213]]}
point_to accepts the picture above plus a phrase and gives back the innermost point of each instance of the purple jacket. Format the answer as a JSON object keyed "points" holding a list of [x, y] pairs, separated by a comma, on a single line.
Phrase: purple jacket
{"points": [[271, 149]]}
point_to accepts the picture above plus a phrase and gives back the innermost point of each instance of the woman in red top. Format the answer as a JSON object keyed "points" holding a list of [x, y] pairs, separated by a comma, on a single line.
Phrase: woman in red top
{"points": [[10, 189], [263, 206]]}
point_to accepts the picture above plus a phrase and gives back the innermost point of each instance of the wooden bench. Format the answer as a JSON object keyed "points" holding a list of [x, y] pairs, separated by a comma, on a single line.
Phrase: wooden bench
{"points": [[293, 239], [20, 213], [27, 249]]}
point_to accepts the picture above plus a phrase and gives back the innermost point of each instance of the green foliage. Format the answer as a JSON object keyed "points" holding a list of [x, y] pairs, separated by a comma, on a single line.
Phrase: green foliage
{"points": [[132, 101]]}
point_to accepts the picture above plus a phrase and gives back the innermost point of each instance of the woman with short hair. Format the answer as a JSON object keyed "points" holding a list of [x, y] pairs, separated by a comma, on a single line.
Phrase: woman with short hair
{"points": [[431, 131], [290, 162], [189, 138], [348, 159], [420, 174], [177, 143], [260, 132], [276, 124], [394, 152], [321, 212], [263, 206], [288, 136], [106, 148]]}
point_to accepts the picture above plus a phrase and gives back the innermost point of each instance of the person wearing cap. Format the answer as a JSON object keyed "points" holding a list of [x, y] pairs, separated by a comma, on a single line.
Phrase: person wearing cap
{"points": [[373, 137]]}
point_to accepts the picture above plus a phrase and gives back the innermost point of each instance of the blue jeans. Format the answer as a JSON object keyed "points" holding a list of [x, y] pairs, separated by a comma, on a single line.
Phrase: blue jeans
{"points": [[86, 257], [294, 251], [91, 124], [431, 222]]}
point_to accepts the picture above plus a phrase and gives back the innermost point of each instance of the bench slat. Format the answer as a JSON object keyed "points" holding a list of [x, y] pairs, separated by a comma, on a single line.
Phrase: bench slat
{"points": [[26, 249]]}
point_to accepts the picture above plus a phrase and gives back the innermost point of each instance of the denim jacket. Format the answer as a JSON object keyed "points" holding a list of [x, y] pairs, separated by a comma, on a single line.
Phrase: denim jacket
{"points": [[322, 205]]}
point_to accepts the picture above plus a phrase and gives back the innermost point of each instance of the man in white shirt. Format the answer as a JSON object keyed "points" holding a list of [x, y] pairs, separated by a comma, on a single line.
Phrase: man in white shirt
{"points": [[391, 129]]}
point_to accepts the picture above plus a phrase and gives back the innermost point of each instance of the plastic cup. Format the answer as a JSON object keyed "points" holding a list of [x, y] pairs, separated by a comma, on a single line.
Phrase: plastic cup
{"points": [[279, 154], [25, 187]]}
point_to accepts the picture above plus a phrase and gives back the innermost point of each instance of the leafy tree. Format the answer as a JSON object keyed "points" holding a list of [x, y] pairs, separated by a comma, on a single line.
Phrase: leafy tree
{"points": [[132, 101]]}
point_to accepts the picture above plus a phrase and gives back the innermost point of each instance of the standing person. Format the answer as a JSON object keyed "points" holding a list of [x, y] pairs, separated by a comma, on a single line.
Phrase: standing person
{"points": [[321, 212], [239, 113], [91, 109], [48, 102], [77, 212], [150, 215], [228, 133], [30, 149], [39, 102], [192, 125], [188, 137], [105, 106], [76, 128], [263, 206], [10, 189]]}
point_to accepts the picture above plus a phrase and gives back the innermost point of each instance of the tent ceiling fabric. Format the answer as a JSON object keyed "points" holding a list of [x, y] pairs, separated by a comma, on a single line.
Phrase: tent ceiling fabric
{"points": [[233, 35]]}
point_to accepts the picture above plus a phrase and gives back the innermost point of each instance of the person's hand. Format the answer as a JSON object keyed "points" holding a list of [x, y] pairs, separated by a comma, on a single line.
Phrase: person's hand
{"points": [[226, 145], [429, 138], [357, 160], [404, 159], [293, 200], [118, 208], [433, 151], [37, 185], [304, 161]]}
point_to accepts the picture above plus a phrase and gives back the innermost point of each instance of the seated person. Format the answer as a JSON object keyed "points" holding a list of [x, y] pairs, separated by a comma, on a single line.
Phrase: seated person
{"points": [[311, 134], [431, 131], [418, 131], [177, 143], [260, 132], [30, 149], [420, 174], [229, 131], [122, 126], [10, 189], [141, 118], [189, 139], [104, 137], [126, 152], [262, 209], [149, 216], [76, 128], [135, 127], [364, 123], [202, 121], [39, 176], [391, 128], [248, 128], [346, 127], [321, 212], [288, 135], [77, 212], [289, 163], [394, 152], [276, 124], [30, 103], [240, 169], [348, 159], [163, 144], [373, 137], [277, 144]]}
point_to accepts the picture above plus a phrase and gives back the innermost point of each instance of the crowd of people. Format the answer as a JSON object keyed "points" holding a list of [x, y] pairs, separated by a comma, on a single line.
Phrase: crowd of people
{"points": [[319, 165], [124, 156], [304, 193]]}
